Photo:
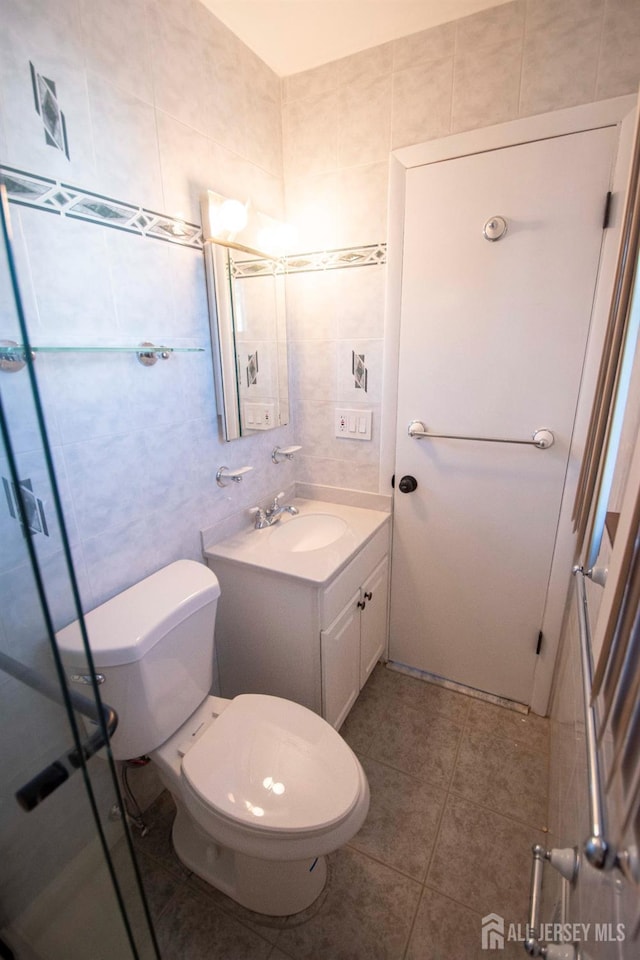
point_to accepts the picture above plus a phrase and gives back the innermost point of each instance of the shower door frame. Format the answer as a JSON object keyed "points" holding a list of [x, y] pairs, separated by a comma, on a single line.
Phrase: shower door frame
{"points": [[76, 759], [561, 122]]}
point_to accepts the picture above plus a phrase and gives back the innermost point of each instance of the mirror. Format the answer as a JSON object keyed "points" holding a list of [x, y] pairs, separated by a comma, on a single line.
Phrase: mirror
{"points": [[245, 286]]}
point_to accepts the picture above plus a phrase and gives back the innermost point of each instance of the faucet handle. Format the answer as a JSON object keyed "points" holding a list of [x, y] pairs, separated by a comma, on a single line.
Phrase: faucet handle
{"points": [[276, 499], [260, 515]]}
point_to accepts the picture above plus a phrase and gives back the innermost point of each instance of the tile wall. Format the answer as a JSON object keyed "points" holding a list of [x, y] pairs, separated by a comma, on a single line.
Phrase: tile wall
{"points": [[160, 101], [340, 122], [154, 100]]}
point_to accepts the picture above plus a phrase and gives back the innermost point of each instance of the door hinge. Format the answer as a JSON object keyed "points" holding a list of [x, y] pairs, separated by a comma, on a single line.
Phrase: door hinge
{"points": [[607, 210], [539, 644]]}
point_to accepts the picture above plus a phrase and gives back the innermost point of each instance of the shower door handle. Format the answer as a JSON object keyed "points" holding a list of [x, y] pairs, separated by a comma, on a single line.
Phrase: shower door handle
{"points": [[55, 774], [59, 771]]}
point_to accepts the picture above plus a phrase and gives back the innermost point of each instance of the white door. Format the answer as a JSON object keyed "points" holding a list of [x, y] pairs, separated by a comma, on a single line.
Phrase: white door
{"points": [[493, 338]]}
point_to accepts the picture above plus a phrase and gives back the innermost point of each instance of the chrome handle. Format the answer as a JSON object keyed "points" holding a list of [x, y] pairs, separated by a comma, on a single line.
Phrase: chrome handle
{"points": [[57, 772], [565, 862], [599, 852], [542, 439], [531, 944], [86, 678]]}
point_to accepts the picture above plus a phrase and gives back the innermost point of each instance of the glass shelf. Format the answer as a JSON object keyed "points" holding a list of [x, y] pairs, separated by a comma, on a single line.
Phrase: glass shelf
{"points": [[13, 355]]}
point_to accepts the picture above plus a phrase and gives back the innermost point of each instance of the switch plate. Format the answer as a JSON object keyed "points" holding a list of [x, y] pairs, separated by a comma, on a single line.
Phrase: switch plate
{"points": [[353, 424], [258, 415]]}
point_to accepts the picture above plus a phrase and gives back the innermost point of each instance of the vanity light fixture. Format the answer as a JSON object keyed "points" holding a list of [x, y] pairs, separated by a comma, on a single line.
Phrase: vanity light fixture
{"points": [[231, 223], [225, 474], [278, 454], [233, 216]]}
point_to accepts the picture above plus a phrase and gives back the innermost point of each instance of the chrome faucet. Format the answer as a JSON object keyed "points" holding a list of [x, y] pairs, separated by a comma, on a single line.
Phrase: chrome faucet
{"points": [[266, 518]]}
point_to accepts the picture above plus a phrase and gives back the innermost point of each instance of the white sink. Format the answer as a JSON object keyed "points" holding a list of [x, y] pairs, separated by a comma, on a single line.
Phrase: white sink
{"points": [[312, 546], [311, 531]]}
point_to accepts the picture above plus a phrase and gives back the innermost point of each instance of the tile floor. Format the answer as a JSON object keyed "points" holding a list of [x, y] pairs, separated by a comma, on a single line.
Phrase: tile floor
{"points": [[458, 796]]}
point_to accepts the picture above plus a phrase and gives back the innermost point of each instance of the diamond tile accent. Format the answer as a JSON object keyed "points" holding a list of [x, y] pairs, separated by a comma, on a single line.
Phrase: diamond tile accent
{"points": [[28, 189], [47, 106], [25, 507]]}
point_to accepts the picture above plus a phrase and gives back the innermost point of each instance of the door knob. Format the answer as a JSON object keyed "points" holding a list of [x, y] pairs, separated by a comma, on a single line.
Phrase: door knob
{"points": [[408, 484]]}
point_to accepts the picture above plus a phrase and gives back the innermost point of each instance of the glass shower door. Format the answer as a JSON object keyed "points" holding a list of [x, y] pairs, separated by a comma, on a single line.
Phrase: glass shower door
{"points": [[69, 884]]}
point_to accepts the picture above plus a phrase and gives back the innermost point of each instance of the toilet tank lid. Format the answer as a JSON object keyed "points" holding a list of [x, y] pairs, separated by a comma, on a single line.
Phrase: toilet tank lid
{"points": [[125, 628]]}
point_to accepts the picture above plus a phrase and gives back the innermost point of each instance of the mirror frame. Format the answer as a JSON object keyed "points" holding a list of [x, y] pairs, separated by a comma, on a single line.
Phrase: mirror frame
{"points": [[217, 249]]}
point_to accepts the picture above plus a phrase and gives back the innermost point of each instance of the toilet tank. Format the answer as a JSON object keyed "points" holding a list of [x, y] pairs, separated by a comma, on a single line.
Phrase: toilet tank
{"points": [[154, 645]]}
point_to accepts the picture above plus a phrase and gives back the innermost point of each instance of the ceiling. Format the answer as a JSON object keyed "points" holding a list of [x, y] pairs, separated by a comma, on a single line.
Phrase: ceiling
{"points": [[295, 35]]}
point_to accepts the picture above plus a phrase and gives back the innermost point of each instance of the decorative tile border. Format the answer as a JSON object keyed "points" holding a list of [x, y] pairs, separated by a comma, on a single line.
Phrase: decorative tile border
{"points": [[364, 256], [41, 193]]}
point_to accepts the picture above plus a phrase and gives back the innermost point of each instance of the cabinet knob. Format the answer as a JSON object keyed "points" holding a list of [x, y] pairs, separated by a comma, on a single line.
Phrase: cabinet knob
{"points": [[368, 595], [361, 604]]}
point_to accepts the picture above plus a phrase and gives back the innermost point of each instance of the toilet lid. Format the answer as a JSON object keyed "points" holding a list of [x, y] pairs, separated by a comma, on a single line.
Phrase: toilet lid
{"points": [[274, 765]]}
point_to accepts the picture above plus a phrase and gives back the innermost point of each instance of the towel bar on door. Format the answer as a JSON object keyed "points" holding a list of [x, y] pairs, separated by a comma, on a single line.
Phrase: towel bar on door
{"points": [[542, 439]]}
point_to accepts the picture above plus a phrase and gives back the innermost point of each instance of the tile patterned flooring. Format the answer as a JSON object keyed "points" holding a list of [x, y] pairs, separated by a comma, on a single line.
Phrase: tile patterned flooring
{"points": [[458, 796]]}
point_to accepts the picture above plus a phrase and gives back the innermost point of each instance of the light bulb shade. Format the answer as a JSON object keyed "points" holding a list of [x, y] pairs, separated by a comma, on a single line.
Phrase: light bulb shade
{"points": [[233, 216], [239, 225]]}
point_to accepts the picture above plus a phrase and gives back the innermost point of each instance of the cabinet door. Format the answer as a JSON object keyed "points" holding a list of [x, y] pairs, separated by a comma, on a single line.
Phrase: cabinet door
{"points": [[373, 629], [340, 654]]}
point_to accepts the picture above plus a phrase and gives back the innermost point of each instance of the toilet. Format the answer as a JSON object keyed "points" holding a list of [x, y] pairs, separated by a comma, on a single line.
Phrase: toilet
{"points": [[264, 788]]}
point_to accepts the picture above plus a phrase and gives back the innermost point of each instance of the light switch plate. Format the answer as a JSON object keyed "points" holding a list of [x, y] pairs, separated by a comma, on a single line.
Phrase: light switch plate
{"points": [[258, 415], [353, 424]]}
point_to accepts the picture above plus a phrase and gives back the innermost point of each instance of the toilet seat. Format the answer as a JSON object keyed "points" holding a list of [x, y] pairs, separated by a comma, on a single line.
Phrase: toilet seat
{"points": [[274, 767]]}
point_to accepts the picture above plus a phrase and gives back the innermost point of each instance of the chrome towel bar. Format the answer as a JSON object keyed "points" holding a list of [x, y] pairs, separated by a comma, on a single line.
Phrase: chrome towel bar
{"points": [[565, 862], [598, 851], [542, 439]]}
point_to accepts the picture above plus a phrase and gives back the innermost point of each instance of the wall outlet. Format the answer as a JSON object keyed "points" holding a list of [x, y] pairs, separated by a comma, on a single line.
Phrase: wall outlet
{"points": [[353, 424]]}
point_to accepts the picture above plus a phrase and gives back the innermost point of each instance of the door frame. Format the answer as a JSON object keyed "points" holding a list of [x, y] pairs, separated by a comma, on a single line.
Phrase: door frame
{"points": [[618, 112]]}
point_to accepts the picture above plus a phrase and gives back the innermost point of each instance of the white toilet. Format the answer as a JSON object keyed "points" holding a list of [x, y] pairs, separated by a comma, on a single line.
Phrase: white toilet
{"points": [[263, 786]]}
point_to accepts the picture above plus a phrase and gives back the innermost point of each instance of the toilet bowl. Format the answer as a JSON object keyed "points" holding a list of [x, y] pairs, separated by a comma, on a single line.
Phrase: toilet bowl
{"points": [[264, 788]]}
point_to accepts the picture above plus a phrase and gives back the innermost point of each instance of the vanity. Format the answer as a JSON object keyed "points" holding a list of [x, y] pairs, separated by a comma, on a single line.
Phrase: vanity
{"points": [[303, 610]]}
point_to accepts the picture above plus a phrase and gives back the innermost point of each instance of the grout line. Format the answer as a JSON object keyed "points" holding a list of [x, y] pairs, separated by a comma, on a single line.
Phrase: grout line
{"points": [[499, 813], [436, 837], [383, 863], [413, 923], [517, 741], [505, 816], [447, 896]]}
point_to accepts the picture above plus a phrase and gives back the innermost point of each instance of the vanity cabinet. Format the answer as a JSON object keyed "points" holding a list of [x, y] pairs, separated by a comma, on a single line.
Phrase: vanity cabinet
{"points": [[312, 642]]}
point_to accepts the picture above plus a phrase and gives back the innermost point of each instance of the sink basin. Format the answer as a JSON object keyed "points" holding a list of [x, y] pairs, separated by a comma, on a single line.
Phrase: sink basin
{"points": [[312, 531], [312, 546]]}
